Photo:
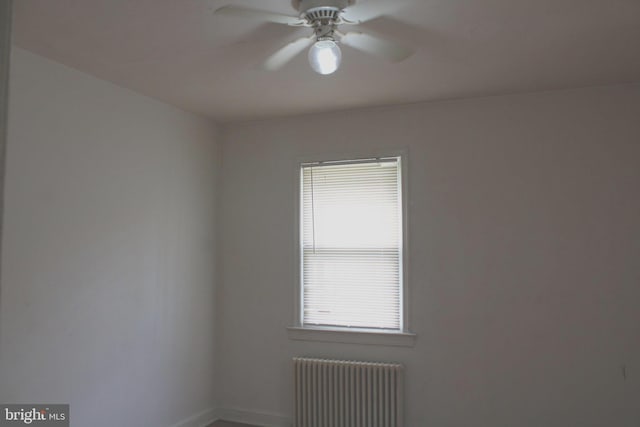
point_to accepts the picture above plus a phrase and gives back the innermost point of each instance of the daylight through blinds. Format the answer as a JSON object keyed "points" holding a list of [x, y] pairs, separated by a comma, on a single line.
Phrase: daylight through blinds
{"points": [[351, 242]]}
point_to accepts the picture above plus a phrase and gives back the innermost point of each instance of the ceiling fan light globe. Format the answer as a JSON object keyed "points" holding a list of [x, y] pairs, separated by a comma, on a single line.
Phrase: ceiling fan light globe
{"points": [[325, 57]]}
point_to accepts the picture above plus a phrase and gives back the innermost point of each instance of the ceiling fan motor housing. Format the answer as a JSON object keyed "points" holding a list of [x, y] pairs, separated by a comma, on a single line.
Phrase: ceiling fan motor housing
{"points": [[322, 15], [324, 21]]}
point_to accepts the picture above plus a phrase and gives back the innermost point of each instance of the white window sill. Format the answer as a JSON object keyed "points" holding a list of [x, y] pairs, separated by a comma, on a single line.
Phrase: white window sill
{"points": [[352, 336]]}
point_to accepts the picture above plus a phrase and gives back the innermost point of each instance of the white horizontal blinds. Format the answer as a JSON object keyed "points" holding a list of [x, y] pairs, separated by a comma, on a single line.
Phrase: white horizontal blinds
{"points": [[351, 244]]}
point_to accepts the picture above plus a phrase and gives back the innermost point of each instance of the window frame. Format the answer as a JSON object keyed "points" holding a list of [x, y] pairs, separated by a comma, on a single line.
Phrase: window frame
{"points": [[299, 331]]}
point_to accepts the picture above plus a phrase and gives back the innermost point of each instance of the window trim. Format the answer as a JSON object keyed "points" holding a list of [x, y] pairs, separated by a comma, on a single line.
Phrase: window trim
{"points": [[352, 336], [298, 331]]}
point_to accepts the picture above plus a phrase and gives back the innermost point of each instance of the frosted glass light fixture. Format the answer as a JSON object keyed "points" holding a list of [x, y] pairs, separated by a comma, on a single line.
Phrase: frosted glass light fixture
{"points": [[325, 57]]}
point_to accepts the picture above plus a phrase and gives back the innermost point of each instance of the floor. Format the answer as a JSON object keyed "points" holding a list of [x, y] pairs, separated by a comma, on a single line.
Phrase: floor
{"points": [[229, 424]]}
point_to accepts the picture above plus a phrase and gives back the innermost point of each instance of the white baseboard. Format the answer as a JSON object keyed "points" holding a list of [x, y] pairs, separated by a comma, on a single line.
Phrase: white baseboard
{"points": [[254, 418], [201, 419]]}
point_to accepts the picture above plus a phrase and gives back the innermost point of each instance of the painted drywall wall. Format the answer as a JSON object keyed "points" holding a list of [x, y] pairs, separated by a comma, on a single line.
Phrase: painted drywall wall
{"points": [[109, 249], [6, 9], [524, 228]]}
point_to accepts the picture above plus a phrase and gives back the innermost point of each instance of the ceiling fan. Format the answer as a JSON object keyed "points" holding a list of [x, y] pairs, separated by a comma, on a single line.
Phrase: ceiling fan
{"points": [[324, 17]]}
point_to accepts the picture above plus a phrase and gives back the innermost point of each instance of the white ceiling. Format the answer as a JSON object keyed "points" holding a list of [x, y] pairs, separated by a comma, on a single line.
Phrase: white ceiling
{"points": [[179, 52]]}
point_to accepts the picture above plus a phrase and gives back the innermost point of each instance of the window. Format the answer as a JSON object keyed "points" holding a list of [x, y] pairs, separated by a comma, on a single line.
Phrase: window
{"points": [[351, 240]]}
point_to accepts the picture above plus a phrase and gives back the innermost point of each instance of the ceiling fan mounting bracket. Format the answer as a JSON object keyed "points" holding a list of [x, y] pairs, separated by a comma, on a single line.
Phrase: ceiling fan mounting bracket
{"points": [[302, 6]]}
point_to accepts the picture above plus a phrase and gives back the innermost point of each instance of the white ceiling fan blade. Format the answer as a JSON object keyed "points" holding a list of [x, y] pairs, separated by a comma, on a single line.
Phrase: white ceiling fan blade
{"points": [[287, 53], [377, 46], [262, 15], [372, 9]]}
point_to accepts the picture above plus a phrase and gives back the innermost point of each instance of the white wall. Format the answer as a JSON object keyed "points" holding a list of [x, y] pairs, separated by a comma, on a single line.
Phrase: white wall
{"points": [[524, 227], [6, 18], [108, 263]]}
